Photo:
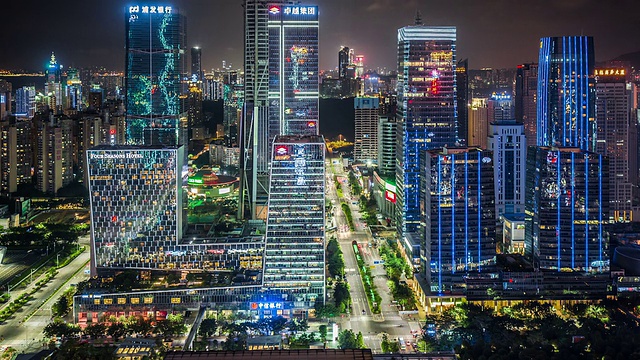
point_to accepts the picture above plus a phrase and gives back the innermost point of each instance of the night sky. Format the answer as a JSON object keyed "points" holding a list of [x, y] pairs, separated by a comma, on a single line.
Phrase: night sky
{"points": [[491, 33]]}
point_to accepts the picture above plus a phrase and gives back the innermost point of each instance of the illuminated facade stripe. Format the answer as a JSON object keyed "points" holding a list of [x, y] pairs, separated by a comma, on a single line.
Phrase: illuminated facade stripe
{"points": [[566, 93]]}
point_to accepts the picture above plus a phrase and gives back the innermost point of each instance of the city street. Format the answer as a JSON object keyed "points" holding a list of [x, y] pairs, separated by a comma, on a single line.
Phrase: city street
{"points": [[27, 335], [371, 325]]}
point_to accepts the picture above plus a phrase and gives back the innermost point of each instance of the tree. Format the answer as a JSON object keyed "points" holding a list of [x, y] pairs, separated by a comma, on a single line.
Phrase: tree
{"points": [[207, 327], [60, 329], [322, 330], [139, 326], [360, 340], [296, 325], [95, 330], [342, 296], [117, 330], [347, 340], [326, 311], [277, 324], [61, 307]]}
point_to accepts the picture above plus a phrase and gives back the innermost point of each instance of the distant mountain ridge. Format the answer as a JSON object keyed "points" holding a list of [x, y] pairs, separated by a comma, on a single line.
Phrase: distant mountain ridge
{"points": [[633, 58]]}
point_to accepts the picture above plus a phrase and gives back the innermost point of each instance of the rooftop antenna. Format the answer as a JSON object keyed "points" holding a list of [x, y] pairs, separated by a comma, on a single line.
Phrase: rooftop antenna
{"points": [[418, 18]]}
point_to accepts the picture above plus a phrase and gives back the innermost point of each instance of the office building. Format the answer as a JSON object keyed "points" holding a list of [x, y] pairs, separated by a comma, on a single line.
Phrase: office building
{"points": [[293, 70], [478, 122], [427, 114], [365, 148], [462, 100], [136, 204], [255, 143], [345, 60], [26, 102], [460, 216], [507, 142], [15, 155], [500, 107], [359, 65], [525, 100], [54, 154], [197, 75], [155, 67], [387, 143], [54, 86], [613, 111], [513, 234], [195, 118], [566, 209], [566, 93], [294, 261]]}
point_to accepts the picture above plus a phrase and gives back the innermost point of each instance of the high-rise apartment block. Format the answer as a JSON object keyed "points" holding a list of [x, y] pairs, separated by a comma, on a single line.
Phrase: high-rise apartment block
{"points": [[155, 67], [427, 113], [460, 216], [365, 147], [566, 93], [478, 122], [54, 154], [566, 209], [295, 241], [507, 142], [462, 95], [15, 155], [614, 138]]}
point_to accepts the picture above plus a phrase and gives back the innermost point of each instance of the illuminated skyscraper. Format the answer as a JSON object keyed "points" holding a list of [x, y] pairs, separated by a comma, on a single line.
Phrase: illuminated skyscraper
{"points": [[255, 143], [281, 88], [566, 209], [155, 66], [614, 138], [293, 70], [136, 204], [427, 113], [295, 241], [525, 100], [566, 93], [344, 60], [26, 102], [196, 65], [460, 221], [462, 99]]}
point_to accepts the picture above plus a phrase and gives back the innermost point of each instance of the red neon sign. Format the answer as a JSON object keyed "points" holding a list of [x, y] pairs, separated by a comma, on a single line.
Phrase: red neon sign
{"points": [[390, 196]]}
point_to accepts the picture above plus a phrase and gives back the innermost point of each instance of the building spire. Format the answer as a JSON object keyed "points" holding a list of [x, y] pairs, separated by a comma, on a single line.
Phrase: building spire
{"points": [[53, 58], [418, 18]]}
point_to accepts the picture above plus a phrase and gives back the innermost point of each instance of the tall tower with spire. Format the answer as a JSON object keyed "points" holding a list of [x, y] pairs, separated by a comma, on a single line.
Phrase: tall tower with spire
{"points": [[54, 87]]}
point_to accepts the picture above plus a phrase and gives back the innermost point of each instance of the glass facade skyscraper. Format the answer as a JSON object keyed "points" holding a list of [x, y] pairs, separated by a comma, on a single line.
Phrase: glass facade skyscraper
{"points": [[566, 93], [427, 104], [136, 202], [295, 243], [459, 201], [293, 70], [155, 65], [566, 209]]}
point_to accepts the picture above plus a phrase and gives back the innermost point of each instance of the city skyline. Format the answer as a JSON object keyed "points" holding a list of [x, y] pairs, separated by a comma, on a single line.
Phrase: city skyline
{"points": [[483, 28]]}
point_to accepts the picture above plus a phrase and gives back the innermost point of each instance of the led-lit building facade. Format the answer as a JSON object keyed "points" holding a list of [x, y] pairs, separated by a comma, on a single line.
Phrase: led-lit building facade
{"points": [[136, 203], [525, 100], [507, 142], [613, 110], [365, 147], [293, 70], [427, 114], [155, 66], [566, 93], [460, 216], [294, 261], [26, 102], [566, 209]]}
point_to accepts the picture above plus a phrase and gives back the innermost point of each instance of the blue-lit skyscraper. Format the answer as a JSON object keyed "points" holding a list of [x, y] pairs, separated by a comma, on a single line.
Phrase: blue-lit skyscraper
{"points": [[427, 115], [566, 209], [155, 65], [293, 70], [566, 92], [460, 221]]}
